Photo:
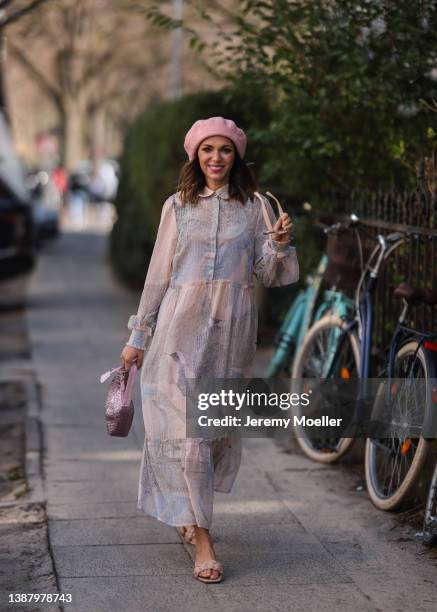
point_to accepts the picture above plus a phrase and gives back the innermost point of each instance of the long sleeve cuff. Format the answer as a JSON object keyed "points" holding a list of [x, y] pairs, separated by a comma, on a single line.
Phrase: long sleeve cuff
{"points": [[140, 334], [138, 339], [133, 323], [281, 249]]}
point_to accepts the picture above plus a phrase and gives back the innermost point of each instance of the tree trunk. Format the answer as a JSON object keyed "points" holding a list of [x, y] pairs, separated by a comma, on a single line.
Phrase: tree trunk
{"points": [[72, 145], [97, 137]]}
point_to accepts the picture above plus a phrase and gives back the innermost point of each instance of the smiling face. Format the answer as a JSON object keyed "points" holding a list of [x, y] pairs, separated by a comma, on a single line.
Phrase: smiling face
{"points": [[216, 156]]}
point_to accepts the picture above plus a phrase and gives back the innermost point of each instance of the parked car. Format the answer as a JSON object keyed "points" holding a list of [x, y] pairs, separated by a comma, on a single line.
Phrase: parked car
{"points": [[17, 229], [17, 238]]}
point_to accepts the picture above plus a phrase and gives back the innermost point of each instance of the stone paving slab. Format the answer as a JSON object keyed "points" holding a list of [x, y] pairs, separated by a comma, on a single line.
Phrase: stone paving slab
{"points": [[90, 532], [140, 594], [118, 454], [250, 512], [93, 510], [126, 560], [73, 441], [89, 491], [70, 408], [283, 538], [91, 469], [314, 597], [311, 565]]}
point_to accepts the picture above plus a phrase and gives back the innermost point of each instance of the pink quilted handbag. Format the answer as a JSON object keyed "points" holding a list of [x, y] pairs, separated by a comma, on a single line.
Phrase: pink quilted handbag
{"points": [[119, 407]]}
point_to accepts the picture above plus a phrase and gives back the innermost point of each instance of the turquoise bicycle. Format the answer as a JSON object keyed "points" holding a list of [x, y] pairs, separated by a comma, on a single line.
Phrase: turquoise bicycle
{"points": [[301, 316]]}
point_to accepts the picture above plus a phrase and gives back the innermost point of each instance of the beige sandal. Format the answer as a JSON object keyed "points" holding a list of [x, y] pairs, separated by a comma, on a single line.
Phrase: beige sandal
{"points": [[188, 533], [211, 564]]}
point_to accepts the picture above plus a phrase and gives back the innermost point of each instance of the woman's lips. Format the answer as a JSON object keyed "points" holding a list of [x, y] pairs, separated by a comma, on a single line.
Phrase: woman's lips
{"points": [[216, 168]]}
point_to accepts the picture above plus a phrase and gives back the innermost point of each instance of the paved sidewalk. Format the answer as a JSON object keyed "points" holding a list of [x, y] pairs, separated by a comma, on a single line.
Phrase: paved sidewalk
{"points": [[292, 535]]}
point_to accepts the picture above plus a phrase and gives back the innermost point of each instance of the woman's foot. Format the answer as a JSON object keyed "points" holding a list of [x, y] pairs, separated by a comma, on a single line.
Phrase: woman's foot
{"points": [[205, 552]]}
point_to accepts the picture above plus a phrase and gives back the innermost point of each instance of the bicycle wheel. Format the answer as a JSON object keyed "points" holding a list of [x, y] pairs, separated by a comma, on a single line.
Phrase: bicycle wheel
{"points": [[317, 350], [393, 464]]}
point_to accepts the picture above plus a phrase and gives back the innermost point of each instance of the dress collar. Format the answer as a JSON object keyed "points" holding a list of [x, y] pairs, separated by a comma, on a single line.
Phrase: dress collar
{"points": [[223, 192]]}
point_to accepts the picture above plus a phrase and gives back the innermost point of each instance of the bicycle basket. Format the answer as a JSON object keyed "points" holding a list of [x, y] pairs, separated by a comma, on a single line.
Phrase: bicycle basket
{"points": [[344, 261]]}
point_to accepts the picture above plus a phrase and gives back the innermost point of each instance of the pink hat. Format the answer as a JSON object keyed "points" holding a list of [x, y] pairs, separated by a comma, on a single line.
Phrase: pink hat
{"points": [[215, 126]]}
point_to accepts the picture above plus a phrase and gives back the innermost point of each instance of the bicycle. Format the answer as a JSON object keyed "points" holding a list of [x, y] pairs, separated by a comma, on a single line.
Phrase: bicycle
{"points": [[300, 315], [316, 355], [393, 464]]}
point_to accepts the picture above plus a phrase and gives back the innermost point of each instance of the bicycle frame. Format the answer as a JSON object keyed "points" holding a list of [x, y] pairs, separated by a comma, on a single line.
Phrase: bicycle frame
{"points": [[300, 317], [297, 320], [363, 321]]}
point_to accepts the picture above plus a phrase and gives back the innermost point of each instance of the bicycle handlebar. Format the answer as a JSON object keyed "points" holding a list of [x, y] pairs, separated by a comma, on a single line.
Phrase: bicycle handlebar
{"points": [[334, 227], [327, 229], [354, 222]]}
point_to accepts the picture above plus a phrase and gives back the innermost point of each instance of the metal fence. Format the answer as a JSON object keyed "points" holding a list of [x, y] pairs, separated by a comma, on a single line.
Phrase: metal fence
{"points": [[415, 215]]}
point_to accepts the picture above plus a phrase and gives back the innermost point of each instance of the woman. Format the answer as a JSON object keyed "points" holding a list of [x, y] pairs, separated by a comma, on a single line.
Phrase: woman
{"points": [[198, 317]]}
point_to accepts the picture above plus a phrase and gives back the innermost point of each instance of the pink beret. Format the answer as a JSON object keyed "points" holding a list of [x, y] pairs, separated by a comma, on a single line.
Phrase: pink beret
{"points": [[215, 126]]}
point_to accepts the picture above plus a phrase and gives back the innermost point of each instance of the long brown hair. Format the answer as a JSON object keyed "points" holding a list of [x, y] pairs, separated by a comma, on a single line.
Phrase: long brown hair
{"points": [[242, 181]]}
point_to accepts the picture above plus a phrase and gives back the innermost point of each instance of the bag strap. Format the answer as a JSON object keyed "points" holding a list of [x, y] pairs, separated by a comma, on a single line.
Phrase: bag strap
{"points": [[107, 374], [266, 215], [127, 395]]}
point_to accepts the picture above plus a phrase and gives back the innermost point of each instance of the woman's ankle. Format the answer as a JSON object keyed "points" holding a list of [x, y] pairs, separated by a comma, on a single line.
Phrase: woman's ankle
{"points": [[202, 532], [203, 538]]}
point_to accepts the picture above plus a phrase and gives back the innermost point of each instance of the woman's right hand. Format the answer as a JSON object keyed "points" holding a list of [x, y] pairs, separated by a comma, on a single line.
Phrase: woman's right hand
{"points": [[130, 354]]}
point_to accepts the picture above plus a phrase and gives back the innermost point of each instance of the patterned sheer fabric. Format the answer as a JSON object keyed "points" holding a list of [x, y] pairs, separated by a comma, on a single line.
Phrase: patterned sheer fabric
{"points": [[198, 317]]}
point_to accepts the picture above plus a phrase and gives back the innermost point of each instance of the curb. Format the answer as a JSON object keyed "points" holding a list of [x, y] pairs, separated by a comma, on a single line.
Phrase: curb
{"points": [[36, 493]]}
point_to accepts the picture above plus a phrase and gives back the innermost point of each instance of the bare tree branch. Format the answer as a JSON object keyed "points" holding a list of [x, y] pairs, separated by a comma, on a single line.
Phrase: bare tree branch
{"points": [[5, 3], [8, 19], [38, 76]]}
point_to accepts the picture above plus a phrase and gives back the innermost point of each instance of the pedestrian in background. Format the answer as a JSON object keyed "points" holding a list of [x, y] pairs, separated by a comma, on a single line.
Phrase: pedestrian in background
{"points": [[197, 318]]}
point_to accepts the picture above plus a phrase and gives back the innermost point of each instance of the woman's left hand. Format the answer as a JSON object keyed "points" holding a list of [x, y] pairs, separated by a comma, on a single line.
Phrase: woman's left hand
{"points": [[283, 223]]}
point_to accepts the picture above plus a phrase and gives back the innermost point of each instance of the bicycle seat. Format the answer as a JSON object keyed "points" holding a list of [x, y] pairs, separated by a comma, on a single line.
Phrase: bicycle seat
{"points": [[414, 294]]}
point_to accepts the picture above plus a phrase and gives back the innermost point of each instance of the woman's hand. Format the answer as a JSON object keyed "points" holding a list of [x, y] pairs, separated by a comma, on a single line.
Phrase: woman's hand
{"points": [[130, 354], [283, 223]]}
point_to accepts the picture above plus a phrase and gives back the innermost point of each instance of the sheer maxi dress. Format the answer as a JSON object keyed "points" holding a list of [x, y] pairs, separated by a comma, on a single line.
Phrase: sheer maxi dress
{"points": [[198, 317]]}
